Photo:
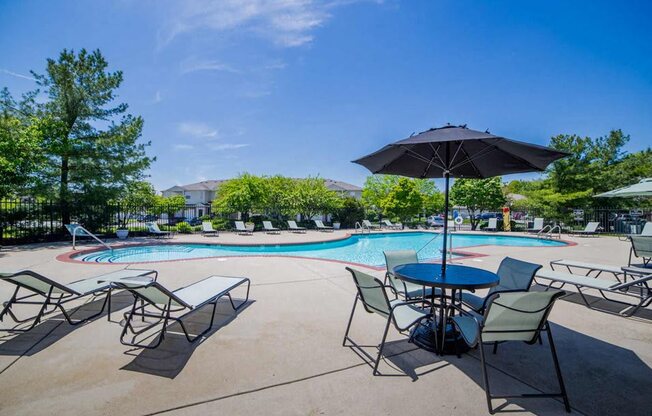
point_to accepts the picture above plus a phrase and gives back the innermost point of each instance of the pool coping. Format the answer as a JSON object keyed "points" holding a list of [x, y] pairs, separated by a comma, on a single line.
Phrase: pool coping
{"points": [[69, 257]]}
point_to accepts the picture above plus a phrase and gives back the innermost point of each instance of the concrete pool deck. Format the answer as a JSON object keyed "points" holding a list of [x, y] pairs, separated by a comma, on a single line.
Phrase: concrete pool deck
{"points": [[282, 354]]}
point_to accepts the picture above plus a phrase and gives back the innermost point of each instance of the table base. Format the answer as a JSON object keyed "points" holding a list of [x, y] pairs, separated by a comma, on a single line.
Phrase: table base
{"points": [[423, 336]]}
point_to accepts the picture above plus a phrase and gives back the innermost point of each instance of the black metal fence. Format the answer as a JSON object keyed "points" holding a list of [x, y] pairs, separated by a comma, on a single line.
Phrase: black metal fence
{"points": [[27, 221], [612, 220]]}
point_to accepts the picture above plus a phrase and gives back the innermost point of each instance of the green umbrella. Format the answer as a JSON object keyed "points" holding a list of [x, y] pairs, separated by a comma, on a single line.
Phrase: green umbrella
{"points": [[643, 188]]}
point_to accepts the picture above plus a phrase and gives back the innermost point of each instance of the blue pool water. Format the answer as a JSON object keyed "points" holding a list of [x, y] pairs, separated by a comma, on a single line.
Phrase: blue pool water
{"points": [[364, 249]]}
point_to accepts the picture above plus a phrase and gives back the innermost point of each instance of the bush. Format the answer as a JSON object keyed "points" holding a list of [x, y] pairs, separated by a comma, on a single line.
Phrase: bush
{"points": [[350, 211], [184, 228], [221, 224]]}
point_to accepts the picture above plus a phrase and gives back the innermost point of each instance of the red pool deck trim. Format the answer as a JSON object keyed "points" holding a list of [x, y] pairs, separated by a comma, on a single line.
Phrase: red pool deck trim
{"points": [[69, 257]]}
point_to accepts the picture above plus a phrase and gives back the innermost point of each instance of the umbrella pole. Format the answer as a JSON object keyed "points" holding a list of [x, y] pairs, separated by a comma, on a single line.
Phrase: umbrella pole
{"points": [[443, 263]]}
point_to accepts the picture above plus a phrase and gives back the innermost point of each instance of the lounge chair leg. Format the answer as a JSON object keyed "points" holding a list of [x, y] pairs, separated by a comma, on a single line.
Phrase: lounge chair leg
{"points": [[485, 376], [348, 326], [7, 308], [562, 387], [495, 347], [382, 344]]}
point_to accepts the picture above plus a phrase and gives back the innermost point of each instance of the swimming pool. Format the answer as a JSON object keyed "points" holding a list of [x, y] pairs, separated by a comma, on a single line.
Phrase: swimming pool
{"points": [[363, 249]]}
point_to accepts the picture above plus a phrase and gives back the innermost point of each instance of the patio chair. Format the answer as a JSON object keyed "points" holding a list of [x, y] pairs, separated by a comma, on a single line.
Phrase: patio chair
{"points": [[616, 271], [638, 288], [369, 225], [293, 227], [492, 225], [515, 276], [591, 229], [520, 316], [76, 230], [270, 229], [405, 289], [390, 225], [242, 229], [153, 300], [48, 293], [536, 226], [323, 228], [403, 314], [208, 230], [641, 247], [152, 229]]}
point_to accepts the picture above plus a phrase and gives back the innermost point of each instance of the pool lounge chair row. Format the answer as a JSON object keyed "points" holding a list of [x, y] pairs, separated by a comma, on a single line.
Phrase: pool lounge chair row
{"points": [[151, 300]]}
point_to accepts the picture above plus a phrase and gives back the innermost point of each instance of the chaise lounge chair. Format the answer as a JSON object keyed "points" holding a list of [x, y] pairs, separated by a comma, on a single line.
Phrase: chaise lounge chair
{"points": [[370, 226], [153, 300], [242, 229], [536, 226], [293, 227], [323, 228], [48, 293], [391, 226], [492, 225], [153, 230], [208, 230], [590, 268], [76, 230], [641, 247], [638, 288], [270, 229], [591, 229], [520, 316]]}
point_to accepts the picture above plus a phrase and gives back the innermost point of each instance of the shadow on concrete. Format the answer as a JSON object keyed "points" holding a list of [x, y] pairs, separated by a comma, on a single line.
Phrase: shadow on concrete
{"points": [[601, 378], [171, 356], [54, 327]]}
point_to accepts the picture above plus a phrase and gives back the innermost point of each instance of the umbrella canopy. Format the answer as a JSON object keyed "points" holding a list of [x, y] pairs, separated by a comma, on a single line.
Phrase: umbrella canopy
{"points": [[462, 152], [459, 152], [641, 189]]}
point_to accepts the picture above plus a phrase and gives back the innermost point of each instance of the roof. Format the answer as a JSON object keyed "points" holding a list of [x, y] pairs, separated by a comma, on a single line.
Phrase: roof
{"points": [[212, 185]]}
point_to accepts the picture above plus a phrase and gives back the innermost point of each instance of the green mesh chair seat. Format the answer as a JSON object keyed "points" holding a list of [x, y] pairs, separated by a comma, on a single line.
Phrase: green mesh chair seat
{"points": [[405, 289], [513, 316], [372, 294], [515, 275], [641, 247]]}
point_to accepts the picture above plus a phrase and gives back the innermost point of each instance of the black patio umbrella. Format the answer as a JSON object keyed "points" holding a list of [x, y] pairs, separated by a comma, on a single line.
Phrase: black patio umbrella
{"points": [[458, 152]]}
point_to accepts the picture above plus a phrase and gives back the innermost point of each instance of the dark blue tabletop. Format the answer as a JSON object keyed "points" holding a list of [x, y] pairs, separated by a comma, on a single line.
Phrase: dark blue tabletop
{"points": [[457, 276]]}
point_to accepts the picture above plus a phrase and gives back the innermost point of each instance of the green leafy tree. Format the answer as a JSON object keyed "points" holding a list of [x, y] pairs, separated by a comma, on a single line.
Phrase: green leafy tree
{"points": [[20, 153], [168, 205], [312, 197], [433, 199], [278, 196], [478, 195], [350, 211], [375, 190], [403, 201], [244, 194], [92, 150], [138, 196]]}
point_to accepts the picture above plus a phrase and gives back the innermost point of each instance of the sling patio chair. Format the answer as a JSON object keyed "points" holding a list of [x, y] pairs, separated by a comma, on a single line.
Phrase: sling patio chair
{"points": [[293, 227], [51, 294], [518, 316], [208, 230], [515, 276], [591, 229], [153, 300], [407, 290], [492, 225], [641, 247], [270, 229], [242, 229], [536, 226], [370, 226], [590, 268], [323, 228], [637, 288], [152, 229], [392, 226], [403, 314]]}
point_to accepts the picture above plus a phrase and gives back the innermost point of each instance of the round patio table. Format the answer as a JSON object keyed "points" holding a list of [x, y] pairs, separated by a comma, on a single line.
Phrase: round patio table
{"points": [[457, 277]]}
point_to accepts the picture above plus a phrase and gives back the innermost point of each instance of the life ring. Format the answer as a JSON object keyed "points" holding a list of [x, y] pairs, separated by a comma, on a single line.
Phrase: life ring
{"points": [[459, 220]]}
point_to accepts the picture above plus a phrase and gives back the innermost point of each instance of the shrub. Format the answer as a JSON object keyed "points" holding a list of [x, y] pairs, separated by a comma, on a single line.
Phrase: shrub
{"points": [[221, 224], [350, 211], [184, 228]]}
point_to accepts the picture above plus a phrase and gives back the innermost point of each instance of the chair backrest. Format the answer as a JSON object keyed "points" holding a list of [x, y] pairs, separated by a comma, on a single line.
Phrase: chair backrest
{"points": [[319, 224], [367, 223], [152, 227], [207, 226], [292, 224], [642, 246], [388, 223], [152, 292], [538, 224], [515, 275], [592, 227], [267, 225], [372, 293], [36, 282], [517, 316], [239, 225], [493, 223], [395, 258], [76, 229], [647, 229]]}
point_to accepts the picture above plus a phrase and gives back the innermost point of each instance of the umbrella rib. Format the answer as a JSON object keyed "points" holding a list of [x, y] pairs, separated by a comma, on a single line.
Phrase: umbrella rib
{"points": [[459, 147], [480, 154], [437, 154], [468, 159]]}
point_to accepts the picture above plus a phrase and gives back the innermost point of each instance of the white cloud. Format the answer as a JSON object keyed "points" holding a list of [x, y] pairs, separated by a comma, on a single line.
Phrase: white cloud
{"points": [[16, 74], [196, 129], [229, 146], [194, 64], [287, 23], [157, 97], [183, 147]]}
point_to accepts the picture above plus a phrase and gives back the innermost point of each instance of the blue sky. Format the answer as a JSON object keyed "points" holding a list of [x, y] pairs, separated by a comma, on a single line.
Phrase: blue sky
{"points": [[302, 87]]}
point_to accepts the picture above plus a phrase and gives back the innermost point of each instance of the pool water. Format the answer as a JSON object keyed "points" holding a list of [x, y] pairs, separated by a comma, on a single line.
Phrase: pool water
{"points": [[364, 249]]}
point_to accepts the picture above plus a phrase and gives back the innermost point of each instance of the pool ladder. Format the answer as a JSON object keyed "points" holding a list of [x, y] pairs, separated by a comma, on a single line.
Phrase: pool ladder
{"points": [[86, 234], [361, 228], [548, 232]]}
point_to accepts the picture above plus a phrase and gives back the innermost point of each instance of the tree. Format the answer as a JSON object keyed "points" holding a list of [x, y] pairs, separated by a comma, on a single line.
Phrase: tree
{"points": [[433, 199], [168, 204], [375, 189], [138, 196], [84, 161], [403, 201], [20, 155], [278, 192], [244, 194], [312, 197], [350, 211], [477, 195]]}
